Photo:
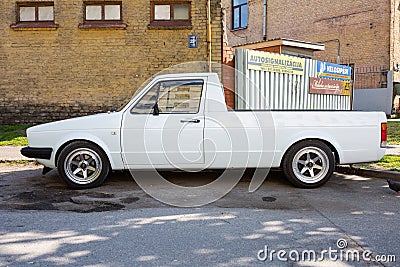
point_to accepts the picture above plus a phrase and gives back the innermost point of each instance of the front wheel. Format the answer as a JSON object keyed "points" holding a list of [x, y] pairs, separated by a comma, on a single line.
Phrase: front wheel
{"points": [[309, 164], [83, 165]]}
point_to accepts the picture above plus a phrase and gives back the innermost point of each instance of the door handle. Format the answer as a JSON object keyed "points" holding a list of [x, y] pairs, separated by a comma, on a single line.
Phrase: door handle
{"points": [[190, 120]]}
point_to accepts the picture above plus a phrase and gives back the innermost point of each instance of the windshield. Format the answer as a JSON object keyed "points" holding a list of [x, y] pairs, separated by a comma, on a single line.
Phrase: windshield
{"points": [[123, 105], [136, 93]]}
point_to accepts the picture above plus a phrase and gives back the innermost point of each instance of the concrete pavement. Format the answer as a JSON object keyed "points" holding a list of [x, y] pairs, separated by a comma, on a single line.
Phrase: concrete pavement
{"points": [[393, 150], [10, 153]]}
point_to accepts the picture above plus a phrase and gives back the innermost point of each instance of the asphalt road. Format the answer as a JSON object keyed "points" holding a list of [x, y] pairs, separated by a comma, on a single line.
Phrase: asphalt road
{"points": [[43, 223]]}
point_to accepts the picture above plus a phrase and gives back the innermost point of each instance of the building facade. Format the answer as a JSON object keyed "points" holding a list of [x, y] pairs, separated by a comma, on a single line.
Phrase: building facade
{"points": [[67, 58], [363, 33]]}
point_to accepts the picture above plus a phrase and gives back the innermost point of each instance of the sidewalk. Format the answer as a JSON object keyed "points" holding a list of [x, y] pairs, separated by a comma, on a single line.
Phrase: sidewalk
{"points": [[10, 153], [393, 150]]}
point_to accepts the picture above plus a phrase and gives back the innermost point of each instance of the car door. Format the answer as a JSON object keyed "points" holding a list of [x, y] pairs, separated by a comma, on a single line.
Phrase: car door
{"points": [[165, 128]]}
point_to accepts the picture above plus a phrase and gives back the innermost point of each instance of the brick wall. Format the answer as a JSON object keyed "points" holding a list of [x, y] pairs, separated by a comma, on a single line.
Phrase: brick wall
{"points": [[253, 32], [228, 80], [363, 26], [48, 75]]}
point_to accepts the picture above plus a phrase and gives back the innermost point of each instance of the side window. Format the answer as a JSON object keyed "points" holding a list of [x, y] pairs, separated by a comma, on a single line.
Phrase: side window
{"points": [[172, 97], [180, 96]]}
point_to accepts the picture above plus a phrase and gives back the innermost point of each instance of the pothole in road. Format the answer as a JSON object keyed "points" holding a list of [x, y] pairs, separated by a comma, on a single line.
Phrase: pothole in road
{"points": [[99, 195], [83, 202], [129, 200], [269, 199]]}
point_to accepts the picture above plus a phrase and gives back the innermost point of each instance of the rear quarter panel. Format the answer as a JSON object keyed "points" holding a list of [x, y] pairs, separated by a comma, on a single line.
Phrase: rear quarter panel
{"points": [[354, 135]]}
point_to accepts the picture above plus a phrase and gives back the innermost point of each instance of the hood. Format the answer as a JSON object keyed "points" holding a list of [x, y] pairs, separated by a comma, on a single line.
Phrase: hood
{"points": [[98, 121]]}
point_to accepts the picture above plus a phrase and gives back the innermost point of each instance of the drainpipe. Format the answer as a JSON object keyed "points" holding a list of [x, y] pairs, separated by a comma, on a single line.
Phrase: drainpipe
{"points": [[265, 21], [209, 34]]}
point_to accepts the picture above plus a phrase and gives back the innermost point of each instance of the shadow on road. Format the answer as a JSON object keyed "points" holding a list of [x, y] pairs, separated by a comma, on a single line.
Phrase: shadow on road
{"points": [[23, 187]]}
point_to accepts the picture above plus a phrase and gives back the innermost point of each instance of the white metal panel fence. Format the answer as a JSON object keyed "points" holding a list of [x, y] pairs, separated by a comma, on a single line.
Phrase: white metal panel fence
{"points": [[255, 89]]}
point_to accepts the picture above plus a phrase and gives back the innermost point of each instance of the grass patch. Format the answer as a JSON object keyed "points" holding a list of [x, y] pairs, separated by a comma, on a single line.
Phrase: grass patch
{"points": [[394, 133], [13, 135], [18, 162], [388, 162]]}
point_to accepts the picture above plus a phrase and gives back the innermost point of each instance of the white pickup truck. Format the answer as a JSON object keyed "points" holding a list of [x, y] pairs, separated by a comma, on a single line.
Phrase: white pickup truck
{"points": [[181, 121]]}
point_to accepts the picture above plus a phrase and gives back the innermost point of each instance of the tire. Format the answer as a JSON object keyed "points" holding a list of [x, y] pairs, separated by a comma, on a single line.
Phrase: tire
{"points": [[83, 165], [309, 164]]}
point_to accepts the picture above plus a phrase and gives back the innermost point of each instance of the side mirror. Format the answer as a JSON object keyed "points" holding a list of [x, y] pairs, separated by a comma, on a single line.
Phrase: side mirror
{"points": [[156, 110]]}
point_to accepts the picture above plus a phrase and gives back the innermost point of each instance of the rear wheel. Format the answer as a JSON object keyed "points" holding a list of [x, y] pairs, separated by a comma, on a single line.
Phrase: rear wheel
{"points": [[309, 164], [83, 165]]}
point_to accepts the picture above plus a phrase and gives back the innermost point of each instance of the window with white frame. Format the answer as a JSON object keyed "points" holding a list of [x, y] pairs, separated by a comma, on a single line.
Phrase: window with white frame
{"points": [[103, 11], [34, 15], [170, 14], [105, 14], [35, 12]]}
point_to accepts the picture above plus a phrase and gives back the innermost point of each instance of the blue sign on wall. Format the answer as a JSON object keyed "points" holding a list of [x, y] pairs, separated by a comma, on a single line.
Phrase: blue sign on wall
{"points": [[192, 41], [333, 71]]}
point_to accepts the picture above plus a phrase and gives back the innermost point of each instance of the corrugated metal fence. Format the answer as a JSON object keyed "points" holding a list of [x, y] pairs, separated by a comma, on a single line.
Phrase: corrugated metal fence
{"points": [[257, 89]]}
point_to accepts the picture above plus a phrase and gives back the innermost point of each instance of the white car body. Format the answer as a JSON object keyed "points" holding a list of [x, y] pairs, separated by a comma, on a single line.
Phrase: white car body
{"points": [[219, 138]]}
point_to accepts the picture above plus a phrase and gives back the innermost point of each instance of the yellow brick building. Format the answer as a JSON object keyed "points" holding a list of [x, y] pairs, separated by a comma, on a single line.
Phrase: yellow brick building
{"points": [[67, 58]]}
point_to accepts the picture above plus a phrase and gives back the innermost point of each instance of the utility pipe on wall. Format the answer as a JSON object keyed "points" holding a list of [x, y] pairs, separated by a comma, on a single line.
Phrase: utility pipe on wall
{"points": [[209, 34], [265, 21]]}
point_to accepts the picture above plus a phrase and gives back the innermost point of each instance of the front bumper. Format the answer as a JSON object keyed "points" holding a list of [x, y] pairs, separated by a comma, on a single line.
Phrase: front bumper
{"points": [[37, 152]]}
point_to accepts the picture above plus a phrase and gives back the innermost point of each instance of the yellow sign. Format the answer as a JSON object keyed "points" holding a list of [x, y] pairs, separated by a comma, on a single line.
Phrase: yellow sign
{"points": [[346, 88], [270, 62]]}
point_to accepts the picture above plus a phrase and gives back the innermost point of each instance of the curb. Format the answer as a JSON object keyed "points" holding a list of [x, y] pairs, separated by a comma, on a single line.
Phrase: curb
{"points": [[380, 174]]}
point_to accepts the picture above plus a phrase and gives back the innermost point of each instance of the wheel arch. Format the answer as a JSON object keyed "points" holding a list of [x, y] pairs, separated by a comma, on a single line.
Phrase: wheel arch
{"points": [[106, 153], [329, 144]]}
